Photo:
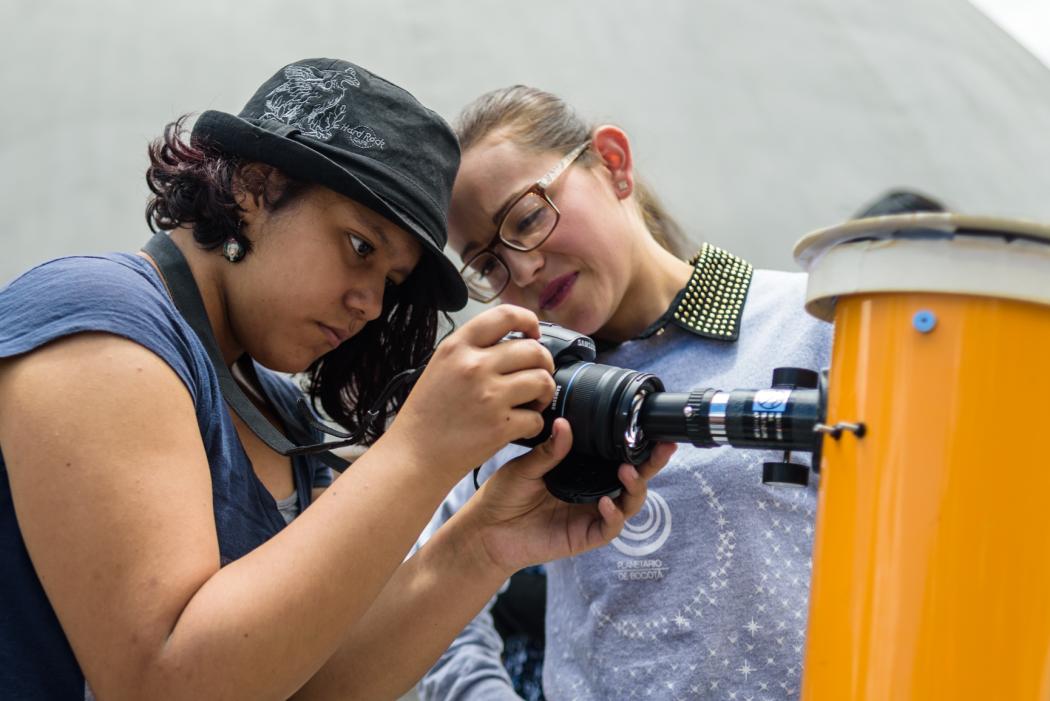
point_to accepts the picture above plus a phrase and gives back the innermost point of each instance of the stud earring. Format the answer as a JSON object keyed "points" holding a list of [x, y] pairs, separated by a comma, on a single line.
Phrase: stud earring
{"points": [[232, 250], [622, 186]]}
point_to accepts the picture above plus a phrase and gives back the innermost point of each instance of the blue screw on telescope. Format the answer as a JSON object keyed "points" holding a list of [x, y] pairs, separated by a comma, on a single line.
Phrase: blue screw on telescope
{"points": [[924, 321]]}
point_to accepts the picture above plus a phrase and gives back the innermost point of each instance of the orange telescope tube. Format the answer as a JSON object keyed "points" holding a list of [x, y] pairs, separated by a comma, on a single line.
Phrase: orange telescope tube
{"points": [[931, 559]]}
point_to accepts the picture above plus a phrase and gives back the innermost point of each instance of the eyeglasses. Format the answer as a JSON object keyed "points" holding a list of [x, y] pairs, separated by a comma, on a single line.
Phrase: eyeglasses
{"points": [[525, 224]]}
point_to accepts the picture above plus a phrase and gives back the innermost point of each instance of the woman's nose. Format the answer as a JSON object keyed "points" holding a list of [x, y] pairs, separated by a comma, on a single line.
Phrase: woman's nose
{"points": [[524, 266], [366, 301]]}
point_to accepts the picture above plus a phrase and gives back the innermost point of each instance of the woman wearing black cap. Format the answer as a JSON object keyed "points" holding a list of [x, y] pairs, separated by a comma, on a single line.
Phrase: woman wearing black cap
{"points": [[152, 463]]}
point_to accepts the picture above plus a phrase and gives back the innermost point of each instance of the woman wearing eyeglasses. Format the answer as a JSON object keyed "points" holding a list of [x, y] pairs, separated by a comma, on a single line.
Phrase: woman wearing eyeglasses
{"points": [[704, 593], [167, 529]]}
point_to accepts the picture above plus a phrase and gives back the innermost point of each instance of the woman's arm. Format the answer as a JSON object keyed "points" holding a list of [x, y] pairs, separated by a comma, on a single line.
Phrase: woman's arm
{"points": [[112, 491], [512, 522], [472, 666], [113, 496], [426, 603]]}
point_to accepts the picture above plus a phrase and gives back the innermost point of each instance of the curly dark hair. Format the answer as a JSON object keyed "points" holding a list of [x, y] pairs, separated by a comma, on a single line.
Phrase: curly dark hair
{"points": [[195, 183]]}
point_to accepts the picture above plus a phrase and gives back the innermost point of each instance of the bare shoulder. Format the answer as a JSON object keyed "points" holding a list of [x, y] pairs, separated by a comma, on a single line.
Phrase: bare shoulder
{"points": [[111, 487], [79, 379]]}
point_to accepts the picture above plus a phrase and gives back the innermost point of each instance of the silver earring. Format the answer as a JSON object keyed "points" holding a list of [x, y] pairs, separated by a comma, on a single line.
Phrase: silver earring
{"points": [[622, 186], [232, 250]]}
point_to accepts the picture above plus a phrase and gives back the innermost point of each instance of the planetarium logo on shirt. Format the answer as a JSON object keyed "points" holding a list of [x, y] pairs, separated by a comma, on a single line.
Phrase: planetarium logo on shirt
{"points": [[644, 534]]}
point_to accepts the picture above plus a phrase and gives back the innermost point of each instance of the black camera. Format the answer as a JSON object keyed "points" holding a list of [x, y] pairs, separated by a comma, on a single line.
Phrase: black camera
{"points": [[616, 414]]}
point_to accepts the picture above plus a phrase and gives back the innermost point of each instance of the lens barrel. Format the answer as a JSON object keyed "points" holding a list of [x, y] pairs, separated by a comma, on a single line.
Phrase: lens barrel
{"points": [[598, 402], [602, 404], [773, 419]]}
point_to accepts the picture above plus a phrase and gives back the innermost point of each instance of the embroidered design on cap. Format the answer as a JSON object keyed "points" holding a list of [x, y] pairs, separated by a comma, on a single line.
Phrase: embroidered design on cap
{"points": [[314, 101], [713, 300]]}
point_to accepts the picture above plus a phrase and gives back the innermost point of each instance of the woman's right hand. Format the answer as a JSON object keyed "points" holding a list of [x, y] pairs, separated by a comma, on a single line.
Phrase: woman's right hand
{"points": [[478, 394], [518, 522]]}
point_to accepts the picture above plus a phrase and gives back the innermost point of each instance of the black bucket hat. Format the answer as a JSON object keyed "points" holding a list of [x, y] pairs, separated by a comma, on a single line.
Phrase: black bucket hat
{"points": [[335, 124]]}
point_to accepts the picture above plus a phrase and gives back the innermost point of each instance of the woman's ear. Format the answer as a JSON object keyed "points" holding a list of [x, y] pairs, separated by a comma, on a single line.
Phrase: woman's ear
{"points": [[614, 149]]}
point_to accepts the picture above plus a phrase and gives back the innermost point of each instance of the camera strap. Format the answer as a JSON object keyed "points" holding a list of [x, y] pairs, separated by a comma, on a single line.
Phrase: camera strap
{"points": [[187, 298]]}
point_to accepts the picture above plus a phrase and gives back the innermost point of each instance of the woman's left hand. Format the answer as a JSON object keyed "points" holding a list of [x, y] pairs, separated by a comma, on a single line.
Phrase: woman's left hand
{"points": [[520, 523]]}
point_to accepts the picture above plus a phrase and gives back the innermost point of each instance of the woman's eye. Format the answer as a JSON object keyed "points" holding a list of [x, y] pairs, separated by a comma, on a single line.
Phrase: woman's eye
{"points": [[529, 221], [361, 247]]}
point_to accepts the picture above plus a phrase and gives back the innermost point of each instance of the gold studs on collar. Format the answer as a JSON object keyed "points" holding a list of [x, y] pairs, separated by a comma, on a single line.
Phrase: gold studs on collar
{"points": [[713, 300]]}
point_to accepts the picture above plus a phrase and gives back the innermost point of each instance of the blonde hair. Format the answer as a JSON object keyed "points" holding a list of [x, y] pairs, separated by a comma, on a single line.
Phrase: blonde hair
{"points": [[540, 121]]}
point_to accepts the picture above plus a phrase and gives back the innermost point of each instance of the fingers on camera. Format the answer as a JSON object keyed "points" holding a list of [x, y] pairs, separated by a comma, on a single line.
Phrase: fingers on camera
{"points": [[489, 327], [531, 388]]}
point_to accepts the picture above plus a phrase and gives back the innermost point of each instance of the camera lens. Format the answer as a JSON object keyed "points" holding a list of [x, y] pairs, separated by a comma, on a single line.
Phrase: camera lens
{"points": [[600, 401], [602, 404]]}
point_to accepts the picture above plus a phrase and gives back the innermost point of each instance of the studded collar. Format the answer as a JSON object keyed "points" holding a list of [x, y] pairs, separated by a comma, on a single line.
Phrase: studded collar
{"points": [[712, 301]]}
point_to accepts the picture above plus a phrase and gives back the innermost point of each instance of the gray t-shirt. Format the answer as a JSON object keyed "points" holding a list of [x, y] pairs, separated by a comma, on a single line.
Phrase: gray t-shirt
{"points": [[704, 594]]}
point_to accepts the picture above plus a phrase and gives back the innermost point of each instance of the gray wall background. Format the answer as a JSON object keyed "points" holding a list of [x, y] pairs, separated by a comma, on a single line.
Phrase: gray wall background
{"points": [[755, 121]]}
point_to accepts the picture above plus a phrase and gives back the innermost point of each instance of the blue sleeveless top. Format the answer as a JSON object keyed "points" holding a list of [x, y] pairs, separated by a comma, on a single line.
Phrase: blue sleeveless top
{"points": [[122, 294]]}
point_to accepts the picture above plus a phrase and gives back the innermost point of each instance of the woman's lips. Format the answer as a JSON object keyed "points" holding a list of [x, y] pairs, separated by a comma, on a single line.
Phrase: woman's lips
{"points": [[334, 336], [557, 291]]}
